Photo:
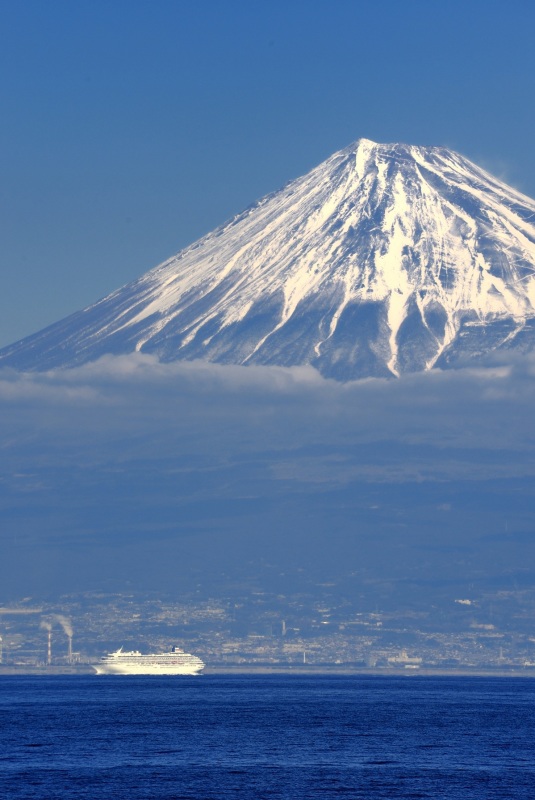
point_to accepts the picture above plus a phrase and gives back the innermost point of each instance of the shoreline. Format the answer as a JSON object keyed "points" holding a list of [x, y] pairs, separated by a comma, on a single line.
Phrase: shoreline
{"points": [[298, 669]]}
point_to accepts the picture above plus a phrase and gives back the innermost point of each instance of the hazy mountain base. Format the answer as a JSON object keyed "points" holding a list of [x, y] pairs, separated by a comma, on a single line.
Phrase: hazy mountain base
{"points": [[130, 474]]}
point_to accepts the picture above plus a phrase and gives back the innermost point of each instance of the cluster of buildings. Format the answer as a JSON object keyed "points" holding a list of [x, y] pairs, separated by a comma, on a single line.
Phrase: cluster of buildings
{"points": [[260, 629]]}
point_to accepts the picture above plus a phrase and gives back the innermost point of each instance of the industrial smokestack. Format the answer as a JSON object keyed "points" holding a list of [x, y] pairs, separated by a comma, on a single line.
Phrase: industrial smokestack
{"points": [[69, 651], [48, 627]]}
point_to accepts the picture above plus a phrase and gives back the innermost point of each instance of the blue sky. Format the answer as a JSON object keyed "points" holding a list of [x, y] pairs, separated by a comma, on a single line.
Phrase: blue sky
{"points": [[129, 129]]}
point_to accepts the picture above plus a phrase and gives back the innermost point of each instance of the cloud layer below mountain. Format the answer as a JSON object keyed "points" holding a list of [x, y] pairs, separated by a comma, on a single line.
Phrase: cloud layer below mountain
{"points": [[130, 470]]}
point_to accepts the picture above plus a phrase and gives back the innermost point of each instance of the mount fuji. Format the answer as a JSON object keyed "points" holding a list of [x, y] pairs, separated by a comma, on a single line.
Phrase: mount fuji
{"points": [[384, 259]]}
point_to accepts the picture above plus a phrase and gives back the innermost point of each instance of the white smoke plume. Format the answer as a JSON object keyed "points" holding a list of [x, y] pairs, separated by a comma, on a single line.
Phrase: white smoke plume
{"points": [[65, 624], [46, 625]]}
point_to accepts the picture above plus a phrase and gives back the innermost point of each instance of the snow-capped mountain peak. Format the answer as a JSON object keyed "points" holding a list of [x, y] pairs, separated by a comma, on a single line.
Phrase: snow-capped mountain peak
{"points": [[383, 259]]}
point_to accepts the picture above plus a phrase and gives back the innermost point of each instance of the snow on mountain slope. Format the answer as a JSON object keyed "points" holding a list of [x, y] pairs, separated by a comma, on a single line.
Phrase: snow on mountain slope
{"points": [[383, 259]]}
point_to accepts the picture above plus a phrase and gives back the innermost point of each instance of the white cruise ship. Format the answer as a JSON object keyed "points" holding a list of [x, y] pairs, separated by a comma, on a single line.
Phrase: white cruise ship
{"points": [[132, 662]]}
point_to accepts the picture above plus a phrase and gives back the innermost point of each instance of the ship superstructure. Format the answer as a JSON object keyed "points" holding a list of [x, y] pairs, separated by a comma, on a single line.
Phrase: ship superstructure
{"points": [[132, 662]]}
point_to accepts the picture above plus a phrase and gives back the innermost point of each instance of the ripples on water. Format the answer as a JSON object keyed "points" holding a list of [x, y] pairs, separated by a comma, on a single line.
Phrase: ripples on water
{"points": [[266, 737]]}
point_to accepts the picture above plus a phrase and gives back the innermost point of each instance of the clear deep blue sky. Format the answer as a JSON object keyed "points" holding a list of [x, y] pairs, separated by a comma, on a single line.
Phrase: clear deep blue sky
{"points": [[130, 128]]}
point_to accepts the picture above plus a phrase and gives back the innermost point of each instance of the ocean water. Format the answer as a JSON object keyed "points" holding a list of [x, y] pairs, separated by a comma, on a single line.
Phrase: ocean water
{"points": [[138, 738]]}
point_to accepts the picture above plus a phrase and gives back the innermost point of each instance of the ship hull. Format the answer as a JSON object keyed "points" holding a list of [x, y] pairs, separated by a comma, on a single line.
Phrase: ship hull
{"points": [[132, 669]]}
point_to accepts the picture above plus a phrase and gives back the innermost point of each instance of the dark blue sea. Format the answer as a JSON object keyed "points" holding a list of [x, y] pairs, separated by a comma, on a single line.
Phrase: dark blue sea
{"points": [[244, 737]]}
